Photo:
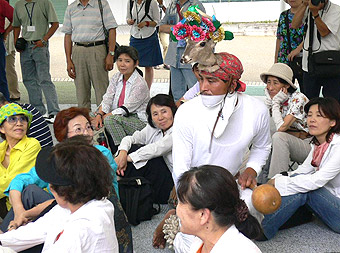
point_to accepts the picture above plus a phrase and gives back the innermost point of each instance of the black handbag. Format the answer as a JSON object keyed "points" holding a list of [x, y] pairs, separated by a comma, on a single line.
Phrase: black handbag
{"points": [[325, 63], [136, 198]]}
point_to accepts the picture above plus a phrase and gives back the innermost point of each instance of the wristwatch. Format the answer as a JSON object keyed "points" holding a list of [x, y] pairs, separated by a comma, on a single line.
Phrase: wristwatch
{"points": [[112, 53], [44, 42]]}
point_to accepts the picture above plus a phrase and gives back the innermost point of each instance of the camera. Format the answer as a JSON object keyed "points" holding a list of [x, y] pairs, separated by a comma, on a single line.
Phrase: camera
{"points": [[316, 2], [21, 44]]}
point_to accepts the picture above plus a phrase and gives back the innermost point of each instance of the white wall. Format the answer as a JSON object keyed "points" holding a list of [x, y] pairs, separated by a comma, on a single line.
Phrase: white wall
{"points": [[224, 12]]}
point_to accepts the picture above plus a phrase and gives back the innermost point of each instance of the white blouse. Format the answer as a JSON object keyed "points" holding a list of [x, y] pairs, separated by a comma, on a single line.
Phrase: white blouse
{"points": [[89, 229], [306, 178], [156, 144], [231, 241], [138, 12], [137, 95]]}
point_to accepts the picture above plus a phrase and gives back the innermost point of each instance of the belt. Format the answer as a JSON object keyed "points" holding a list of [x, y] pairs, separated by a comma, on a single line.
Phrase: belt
{"points": [[92, 44], [32, 42]]}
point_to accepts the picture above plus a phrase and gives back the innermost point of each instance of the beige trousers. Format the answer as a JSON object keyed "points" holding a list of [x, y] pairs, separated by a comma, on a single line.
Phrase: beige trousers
{"points": [[11, 75], [89, 65]]}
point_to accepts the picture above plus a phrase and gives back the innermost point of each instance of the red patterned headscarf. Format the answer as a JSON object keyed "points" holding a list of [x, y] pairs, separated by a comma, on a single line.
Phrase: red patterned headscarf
{"points": [[231, 66]]}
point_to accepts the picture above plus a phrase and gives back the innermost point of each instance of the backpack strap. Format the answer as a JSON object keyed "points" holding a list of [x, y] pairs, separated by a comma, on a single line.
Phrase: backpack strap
{"points": [[147, 9], [106, 32], [131, 5]]}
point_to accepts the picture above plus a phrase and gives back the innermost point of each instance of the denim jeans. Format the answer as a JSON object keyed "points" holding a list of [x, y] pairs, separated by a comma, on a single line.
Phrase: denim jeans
{"points": [[35, 67], [323, 204], [312, 86], [182, 79], [3, 79]]}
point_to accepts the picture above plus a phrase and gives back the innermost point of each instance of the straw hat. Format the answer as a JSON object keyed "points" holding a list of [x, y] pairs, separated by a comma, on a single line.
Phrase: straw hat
{"points": [[280, 70]]}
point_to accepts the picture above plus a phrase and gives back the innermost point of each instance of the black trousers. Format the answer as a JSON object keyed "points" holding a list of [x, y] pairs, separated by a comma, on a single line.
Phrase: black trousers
{"points": [[157, 172]]}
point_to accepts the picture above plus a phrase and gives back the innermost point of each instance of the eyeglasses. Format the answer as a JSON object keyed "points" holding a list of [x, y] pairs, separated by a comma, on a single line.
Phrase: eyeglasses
{"points": [[81, 130], [14, 119]]}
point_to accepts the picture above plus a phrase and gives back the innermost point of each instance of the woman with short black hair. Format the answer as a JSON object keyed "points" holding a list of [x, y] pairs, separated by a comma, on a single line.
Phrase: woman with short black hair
{"points": [[154, 160], [122, 110]]}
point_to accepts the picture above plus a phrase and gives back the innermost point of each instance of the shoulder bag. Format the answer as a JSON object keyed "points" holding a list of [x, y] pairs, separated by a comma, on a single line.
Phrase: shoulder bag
{"points": [[106, 32], [322, 64]]}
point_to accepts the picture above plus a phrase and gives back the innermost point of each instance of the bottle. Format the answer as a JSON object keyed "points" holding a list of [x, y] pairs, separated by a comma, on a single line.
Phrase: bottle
{"points": [[102, 140]]}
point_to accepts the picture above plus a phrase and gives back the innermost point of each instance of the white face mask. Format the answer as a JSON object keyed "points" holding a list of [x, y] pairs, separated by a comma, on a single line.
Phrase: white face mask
{"points": [[213, 105], [212, 100]]}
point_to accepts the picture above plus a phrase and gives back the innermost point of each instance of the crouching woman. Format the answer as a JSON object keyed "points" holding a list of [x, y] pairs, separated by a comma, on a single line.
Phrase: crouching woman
{"points": [[80, 179], [315, 183], [154, 160]]}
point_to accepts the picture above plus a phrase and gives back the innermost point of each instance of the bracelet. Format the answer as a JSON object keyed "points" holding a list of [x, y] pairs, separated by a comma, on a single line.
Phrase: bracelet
{"points": [[315, 17], [101, 115], [147, 23], [161, 6]]}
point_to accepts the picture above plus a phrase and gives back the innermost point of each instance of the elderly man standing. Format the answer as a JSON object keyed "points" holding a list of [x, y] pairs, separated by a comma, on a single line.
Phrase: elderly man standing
{"points": [[34, 16], [88, 61], [6, 11], [219, 126]]}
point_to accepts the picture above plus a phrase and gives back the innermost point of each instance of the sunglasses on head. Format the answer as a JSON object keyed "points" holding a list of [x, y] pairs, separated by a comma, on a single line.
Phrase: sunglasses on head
{"points": [[14, 119]]}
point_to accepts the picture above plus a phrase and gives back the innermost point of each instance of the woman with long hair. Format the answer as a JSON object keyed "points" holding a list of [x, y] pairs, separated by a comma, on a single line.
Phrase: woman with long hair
{"points": [[315, 183]]}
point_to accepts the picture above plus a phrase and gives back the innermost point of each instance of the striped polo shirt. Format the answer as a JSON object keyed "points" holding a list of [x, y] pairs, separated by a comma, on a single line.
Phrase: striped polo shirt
{"points": [[39, 128], [85, 22]]}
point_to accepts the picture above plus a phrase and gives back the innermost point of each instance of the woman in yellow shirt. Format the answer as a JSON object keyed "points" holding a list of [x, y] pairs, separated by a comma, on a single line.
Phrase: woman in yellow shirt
{"points": [[17, 152]]}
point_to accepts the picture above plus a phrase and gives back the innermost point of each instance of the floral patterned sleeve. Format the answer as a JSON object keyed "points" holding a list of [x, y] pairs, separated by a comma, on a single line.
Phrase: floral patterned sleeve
{"points": [[296, 104], [280, 26]]}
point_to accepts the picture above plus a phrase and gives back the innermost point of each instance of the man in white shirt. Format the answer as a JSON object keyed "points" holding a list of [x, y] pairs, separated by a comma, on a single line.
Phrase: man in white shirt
{"points": [[219, 126]]}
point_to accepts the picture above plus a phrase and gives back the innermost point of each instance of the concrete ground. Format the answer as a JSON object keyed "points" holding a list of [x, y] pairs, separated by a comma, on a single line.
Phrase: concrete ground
{"points": [[256, 52]]}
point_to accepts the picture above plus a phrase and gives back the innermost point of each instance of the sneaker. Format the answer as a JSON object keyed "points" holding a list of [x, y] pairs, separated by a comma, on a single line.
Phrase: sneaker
{"points": [[166, 67], [157, 67], [15, 99], [50, 119]]}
